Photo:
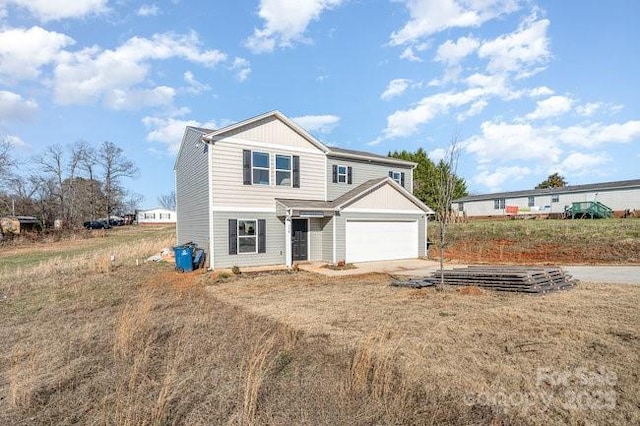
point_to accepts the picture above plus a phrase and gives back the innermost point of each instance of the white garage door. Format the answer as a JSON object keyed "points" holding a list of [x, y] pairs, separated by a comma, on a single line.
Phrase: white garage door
{"points": [[381, 240]]}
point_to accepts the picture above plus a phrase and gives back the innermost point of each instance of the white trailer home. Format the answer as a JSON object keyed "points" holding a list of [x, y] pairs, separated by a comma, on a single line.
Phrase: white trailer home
{"points": [[620, 196], [156, 217]]}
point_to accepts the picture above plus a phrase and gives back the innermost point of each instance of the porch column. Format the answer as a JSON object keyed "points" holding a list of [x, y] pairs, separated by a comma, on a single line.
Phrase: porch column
{"points": [[287, 242]]}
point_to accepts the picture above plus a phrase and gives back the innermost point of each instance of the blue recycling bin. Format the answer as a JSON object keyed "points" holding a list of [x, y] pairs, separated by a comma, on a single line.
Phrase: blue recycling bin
{"points": [[184, 258]]}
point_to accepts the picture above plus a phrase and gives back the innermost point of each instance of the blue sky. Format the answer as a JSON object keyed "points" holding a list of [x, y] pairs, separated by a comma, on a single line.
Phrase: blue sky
{"points": [[528, 87]]}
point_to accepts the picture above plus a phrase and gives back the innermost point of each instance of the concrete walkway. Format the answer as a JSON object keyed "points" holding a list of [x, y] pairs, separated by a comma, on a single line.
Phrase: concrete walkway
{"points": [[421, 268]]}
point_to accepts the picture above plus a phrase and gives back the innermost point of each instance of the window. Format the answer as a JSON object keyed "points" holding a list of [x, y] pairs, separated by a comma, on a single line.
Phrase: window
{"points": [[247, 238], [397, 176], [555, 198], [460, 207], [260, 168], [499, 203], [532, 201], [283, 170], [342, 174]]}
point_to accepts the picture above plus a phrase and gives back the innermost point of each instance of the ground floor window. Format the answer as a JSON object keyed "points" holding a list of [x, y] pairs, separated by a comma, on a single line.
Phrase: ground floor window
{"points": [[247, 237], [499, 203]]}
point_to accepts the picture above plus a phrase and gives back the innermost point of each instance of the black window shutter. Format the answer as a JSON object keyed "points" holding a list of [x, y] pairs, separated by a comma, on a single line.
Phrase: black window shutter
{"points": [[233, 236], [296, 171], [349, 175], [246, 166], [391, 174], [335, 173], [402, 179], [262, 236]]}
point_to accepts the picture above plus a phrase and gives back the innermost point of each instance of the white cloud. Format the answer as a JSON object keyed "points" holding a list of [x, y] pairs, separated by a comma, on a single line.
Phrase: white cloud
{"points": [[23, 52], [596, 134], [494, 179], [124, 99], [318, 123], [475, 109], [148, 10], [501, 142], [242, 68], [540, 91], [169, 131], [285, 22], [52, 10], [90, 74], [194, 86], [14, 140], [453, 52], [404, 123], [580, 163], [519, 51], [14, 107], [551, 107], [428, 17], [395, 88], [437, 154]]}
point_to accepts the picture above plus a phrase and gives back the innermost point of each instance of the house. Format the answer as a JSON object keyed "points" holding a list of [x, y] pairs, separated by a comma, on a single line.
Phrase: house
{"points": [[156, 217], [265, 192], [620, 196]]}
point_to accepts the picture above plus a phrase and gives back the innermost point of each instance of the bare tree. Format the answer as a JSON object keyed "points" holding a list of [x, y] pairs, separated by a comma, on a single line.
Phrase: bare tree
{"points": [[6, 161], [88, 164], [115, 166], [168, 201], [445, 194]]}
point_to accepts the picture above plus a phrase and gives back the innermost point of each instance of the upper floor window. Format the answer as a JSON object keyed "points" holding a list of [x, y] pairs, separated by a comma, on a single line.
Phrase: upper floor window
{"points": [[283, 170], [397, 176], [532, 201], [260, 168], [342, 174]]}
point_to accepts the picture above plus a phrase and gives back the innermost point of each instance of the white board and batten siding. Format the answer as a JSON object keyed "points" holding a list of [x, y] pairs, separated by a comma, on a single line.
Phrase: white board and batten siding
{"points": [[363, 171], [192, 195]]}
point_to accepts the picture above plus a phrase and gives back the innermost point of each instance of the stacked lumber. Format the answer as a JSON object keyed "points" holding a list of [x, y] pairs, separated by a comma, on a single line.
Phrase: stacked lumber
{"points": [[523, 279]]}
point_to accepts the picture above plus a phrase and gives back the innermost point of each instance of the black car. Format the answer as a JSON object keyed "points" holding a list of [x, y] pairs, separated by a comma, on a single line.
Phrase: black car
{"points": [[96, 224]]}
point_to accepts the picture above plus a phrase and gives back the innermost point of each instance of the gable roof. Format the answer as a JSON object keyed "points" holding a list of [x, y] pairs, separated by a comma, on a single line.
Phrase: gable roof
{"points": [[367, 156], [187, 129], [621, 184], [352, 196], [217, 134]]}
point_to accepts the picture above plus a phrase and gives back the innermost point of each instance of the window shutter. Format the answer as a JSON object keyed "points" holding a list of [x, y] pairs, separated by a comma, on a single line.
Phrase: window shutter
{"points": [[233, 236], [296, 171], [391, 174], [246, 166], [349, 175], [262, 236], [402, 179], [335, 173]]}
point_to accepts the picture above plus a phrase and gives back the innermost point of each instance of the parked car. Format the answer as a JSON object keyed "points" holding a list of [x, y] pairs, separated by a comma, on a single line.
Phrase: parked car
{"points": [[96, 224]]}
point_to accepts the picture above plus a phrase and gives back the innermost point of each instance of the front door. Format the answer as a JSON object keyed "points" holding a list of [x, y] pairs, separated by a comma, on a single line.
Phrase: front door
{"points": [[299, 240]]}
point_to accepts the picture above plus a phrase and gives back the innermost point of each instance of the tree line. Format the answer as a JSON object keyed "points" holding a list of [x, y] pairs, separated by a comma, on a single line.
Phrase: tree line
{"points": [[71, 183], [428, 178]]}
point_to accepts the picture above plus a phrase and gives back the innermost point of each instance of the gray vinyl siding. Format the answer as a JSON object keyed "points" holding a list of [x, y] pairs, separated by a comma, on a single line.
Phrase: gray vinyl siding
{"points": [[316, 237], [362, 172], [192, 198], [327, 241], [341, 228], [275, 234], [227, 177]]}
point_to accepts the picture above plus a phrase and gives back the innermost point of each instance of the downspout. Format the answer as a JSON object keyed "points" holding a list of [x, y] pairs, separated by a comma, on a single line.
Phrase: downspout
{"points": [[210, 197], [287, 238]]}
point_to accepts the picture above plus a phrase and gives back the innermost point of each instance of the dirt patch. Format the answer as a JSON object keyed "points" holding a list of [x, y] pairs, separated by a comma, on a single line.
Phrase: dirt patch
{"points": [[471, 291]]}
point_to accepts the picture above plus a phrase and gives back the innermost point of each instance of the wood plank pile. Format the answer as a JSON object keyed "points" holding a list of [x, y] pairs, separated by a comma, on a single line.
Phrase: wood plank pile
{"points": [[523, 279]]}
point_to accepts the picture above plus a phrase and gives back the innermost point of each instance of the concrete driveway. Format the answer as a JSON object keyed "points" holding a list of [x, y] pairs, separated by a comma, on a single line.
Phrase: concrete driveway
{"points": [[421, 268]]}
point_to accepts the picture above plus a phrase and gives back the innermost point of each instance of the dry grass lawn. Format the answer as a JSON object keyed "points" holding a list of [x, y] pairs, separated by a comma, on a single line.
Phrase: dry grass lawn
{"points": [[85, 341], [504, 352]]}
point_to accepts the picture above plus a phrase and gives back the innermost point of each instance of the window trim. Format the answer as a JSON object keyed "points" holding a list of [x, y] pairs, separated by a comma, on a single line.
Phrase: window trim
{"points": [[238, 236], [393, 176], [268, 169], [345, 174], [290, 170], [555, 198]]}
